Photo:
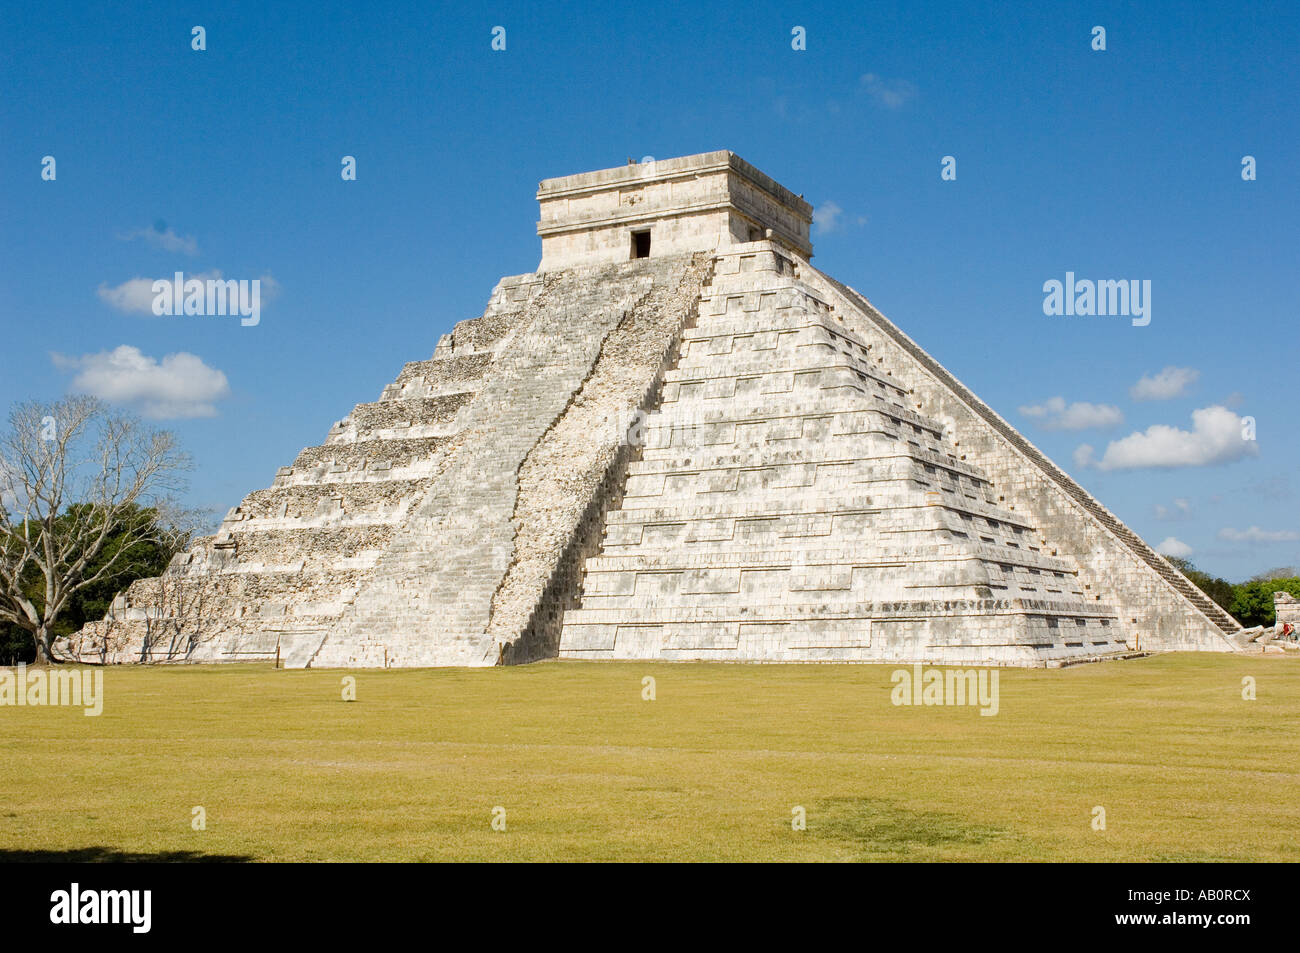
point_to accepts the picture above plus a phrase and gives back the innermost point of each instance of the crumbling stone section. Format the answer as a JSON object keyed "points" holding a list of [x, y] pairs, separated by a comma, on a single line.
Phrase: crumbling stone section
{"points": [[386, 415], [439, 378], [1286, 608], [367, 456]]}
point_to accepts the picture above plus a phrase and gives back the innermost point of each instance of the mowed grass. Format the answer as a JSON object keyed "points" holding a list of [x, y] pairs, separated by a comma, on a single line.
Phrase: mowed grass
{"points": [[710, 770]]}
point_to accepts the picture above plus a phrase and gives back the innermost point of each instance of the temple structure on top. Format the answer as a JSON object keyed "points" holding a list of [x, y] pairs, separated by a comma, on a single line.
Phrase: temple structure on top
{"points": [[677, 439], [712, 200]]}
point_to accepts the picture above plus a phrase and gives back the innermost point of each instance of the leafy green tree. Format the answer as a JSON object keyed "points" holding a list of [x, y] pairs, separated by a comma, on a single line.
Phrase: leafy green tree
{"points": [[83, 490], [1253, 604], [139, 548]]}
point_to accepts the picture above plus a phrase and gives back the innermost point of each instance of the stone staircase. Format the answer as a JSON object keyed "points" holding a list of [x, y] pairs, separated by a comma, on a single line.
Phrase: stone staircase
{"points": [[787, 506], [430, 599]]}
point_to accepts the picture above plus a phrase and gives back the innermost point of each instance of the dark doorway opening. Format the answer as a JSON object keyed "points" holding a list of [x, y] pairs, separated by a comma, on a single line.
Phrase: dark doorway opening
{"points": [[641, 244]]}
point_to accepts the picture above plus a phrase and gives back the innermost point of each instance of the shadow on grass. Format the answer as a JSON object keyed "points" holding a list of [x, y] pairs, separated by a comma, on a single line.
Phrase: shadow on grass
{"points": [[110, 855], [880, 829]]}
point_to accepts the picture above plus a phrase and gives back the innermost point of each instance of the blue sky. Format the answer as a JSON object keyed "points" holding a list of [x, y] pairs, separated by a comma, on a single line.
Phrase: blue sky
{"points": [[1115, 164]]}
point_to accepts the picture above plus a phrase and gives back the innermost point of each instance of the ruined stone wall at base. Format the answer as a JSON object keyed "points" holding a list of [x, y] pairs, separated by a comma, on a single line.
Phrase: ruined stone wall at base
{"points": [[1286, 608]]}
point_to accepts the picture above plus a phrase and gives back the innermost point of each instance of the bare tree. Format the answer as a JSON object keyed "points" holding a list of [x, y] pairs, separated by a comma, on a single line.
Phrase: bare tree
{"points": [[72, 474], [1277, 572]]}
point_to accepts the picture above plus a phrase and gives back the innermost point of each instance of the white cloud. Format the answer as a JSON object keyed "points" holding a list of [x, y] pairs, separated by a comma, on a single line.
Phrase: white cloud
{"points": [[133, 295], [1170, 383], [136, 295], [1180, 510], [1172, 546], [160, 235], [826, 217], [1215, 437], [180, 385], [890, 93], [1257, 535], [1081, 415]]}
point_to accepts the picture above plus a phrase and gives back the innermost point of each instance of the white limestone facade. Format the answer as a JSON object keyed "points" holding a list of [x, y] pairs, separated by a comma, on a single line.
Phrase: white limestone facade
{"points": [[673, 206], [676, 440]]}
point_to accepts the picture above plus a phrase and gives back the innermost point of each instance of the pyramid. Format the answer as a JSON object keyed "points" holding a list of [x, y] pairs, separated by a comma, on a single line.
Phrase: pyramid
{"points": [[676, 440]]}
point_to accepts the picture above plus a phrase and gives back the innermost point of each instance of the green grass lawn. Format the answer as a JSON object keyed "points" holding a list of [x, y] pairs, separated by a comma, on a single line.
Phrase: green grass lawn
{"points": [[710, 770]]}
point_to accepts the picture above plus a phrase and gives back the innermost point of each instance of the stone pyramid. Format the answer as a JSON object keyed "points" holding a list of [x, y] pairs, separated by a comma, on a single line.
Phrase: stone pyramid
{"points": [[676, 440]]}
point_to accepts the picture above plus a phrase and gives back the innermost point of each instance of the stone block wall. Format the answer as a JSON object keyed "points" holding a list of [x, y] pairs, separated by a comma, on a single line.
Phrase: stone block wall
{"points": [[1158, 606], [1286, 608], [789, 505], [687, 204]]}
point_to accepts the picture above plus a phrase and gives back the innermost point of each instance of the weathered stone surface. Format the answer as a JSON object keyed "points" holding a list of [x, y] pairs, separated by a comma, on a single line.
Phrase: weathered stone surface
{"points": [[713, 452], [687, 204], [1286, 608]]}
